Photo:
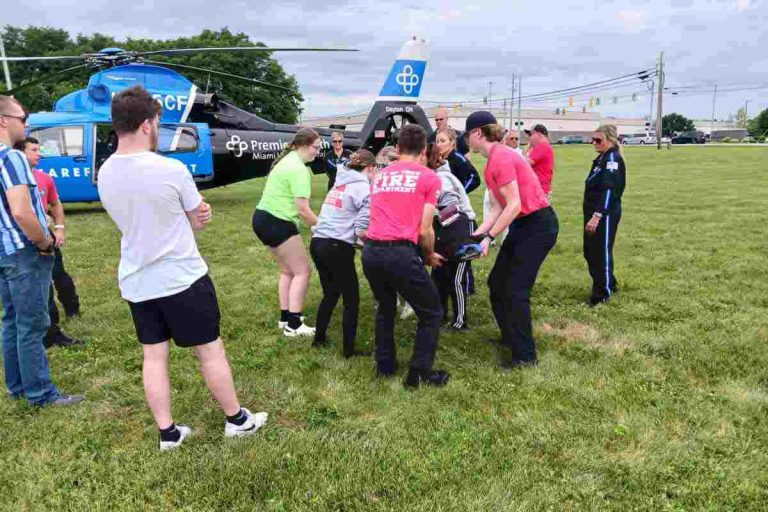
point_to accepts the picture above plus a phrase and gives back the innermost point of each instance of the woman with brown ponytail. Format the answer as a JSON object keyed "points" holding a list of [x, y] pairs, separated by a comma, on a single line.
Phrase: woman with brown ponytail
{"points": [[284, 203], [602, 212]]}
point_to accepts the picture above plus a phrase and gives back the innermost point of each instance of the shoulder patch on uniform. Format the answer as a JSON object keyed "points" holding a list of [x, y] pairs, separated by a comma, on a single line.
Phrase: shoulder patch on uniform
{"points": [[612, 166]]}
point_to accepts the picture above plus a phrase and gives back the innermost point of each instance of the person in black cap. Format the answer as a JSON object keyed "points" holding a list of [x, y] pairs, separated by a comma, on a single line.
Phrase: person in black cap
{"points": [[518, 202], [602, 212], [541, 157]]}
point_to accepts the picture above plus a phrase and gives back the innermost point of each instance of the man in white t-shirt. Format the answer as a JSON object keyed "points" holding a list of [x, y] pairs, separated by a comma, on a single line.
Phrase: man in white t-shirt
{"points": [[156, 206]]}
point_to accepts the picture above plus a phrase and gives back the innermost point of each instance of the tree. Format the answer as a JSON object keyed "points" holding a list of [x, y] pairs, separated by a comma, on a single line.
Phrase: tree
{"points": [[274, 104], [758, 125], [675, 123], [741, 118]]}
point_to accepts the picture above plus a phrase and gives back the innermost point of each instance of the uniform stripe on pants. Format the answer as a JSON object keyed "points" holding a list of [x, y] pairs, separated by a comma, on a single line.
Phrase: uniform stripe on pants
{"points": [[461, 299]]}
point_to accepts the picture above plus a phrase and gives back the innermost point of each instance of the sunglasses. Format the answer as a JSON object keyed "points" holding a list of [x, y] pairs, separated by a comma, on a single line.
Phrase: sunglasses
{"points": [[513, 138], [23, 118], [597, 140]]}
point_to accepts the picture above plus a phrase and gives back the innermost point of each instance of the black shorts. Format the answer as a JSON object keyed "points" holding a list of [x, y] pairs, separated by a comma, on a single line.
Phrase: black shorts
{"points": [[190, 317], [271, 230]]}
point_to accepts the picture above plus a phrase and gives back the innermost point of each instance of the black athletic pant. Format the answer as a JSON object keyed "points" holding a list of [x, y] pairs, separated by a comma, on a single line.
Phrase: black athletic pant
{"points": [[513, 275], [65, 287], [598, 251], [67, 293], [392, 268], [451, 281], [335, 262]]}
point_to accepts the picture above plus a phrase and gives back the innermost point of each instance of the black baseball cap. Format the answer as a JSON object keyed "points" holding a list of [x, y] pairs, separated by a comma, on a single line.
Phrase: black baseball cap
{"points": [[478, 119], [540, 128]]}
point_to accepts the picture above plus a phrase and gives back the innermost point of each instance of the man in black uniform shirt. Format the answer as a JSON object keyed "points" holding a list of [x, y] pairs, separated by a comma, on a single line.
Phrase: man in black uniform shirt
{"points": [[602, 212], [335, 157]]}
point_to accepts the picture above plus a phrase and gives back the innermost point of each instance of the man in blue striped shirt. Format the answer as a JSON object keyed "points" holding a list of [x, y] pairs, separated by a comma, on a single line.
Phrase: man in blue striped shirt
{"points": [[26, 261]]}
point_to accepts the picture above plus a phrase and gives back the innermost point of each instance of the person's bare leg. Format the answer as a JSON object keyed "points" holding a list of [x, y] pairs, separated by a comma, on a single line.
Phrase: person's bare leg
{"points": [[292, 255], [218, 376], [157, 385], [284, 285]]}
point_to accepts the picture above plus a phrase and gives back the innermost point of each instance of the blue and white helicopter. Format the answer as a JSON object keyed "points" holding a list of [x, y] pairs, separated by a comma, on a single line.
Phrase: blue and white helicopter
{"points": [[217, 141]]}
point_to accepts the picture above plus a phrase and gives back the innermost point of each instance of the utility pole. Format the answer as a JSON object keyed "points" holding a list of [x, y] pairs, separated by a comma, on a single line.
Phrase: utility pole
{"points": [[746, 116], [490, 96], [659, 107], [512, 101], [712, 126], [519, 101], [650, 113], [8, 84]]}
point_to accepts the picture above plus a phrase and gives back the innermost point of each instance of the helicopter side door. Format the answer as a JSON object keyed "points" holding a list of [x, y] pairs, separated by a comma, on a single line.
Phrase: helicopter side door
{"points": [[189, 143], [66, 154]]}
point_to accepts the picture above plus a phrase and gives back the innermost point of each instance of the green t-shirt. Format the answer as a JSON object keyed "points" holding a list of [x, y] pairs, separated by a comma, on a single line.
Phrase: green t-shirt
{"points": [[288, 180]]}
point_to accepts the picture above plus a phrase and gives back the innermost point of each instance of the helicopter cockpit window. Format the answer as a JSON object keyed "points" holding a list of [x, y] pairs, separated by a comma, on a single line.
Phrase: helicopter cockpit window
{"points": [[60, 141], [177, 139]]}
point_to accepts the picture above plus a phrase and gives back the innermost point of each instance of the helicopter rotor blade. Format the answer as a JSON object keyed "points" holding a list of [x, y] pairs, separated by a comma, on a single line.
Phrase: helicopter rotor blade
{"points": [[220, 73], [181, 51], [52, 57], [47, 78]]}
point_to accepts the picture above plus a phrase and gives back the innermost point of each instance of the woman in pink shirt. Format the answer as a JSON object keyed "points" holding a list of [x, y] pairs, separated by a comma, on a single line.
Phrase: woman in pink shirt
{"points": [[518, 203]]}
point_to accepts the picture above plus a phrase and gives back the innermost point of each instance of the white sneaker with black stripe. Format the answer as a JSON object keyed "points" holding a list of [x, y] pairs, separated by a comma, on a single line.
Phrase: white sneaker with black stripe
{"points": [[251, 425], [302, 330], [172, 445]]}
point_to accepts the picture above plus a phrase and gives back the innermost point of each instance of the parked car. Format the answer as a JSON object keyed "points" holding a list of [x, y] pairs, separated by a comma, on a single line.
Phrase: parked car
{"points": [[643, 139], [689, 138], [571, 139]]}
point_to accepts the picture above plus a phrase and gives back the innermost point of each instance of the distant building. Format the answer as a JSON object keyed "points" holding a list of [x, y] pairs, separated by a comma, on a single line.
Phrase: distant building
{"points": [[560, 122]]}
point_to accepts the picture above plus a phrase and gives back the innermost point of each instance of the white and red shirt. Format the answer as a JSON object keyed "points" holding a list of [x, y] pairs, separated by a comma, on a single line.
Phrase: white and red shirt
{"points": [[398, 195]]}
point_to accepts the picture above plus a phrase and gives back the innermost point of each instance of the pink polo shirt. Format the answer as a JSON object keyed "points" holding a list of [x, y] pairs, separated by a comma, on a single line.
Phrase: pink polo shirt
{"points": [[543, 164], [47, 189], [505, 166]]}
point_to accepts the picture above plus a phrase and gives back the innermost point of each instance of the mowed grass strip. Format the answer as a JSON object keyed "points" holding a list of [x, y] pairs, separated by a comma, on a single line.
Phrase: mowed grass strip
{"points": [[656, 401]]}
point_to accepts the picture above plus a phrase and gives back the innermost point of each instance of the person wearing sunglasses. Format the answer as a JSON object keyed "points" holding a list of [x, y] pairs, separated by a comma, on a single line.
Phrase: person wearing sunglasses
{"points": [[343, 220], [26, 265], [518, 202], [602, 211], [541, 157], [441, 123], [512, 140], [284, 204], [335, 157]]}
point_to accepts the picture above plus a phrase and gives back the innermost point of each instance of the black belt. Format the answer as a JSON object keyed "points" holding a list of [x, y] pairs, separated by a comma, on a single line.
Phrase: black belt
{"points": [[390, 243]]}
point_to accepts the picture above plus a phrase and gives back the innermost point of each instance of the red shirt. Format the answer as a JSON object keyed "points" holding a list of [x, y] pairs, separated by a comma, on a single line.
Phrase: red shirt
{"points": [[543, 164], [505, 166], [47, 189], [398, 195]]}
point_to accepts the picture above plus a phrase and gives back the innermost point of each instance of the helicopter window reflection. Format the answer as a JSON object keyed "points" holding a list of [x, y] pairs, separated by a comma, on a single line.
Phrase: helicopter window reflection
{"points": [[60, 141], [177, 139]]}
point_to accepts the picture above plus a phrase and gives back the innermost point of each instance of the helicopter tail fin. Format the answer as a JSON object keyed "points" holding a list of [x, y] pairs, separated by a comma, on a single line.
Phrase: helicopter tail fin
{"points": [[407, 74]]}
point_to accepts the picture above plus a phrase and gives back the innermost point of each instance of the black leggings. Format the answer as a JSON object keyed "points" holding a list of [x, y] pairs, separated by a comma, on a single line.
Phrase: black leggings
{"points": [[335, 262]]}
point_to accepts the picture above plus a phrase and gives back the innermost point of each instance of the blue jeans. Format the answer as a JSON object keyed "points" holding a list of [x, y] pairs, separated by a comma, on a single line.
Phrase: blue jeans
{"points": [[25, 278]]}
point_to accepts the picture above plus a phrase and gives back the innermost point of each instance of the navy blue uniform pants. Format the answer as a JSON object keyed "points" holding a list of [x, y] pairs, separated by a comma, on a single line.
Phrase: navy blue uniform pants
{"points": [[393, 269], [513, 275], [598, 251]]}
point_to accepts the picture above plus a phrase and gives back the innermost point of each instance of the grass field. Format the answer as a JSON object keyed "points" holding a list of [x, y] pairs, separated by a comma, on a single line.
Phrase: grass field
{"points": [[656, 401]]}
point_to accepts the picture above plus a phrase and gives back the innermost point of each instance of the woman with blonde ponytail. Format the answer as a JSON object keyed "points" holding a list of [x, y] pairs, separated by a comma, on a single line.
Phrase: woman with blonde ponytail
{"points": [[284, 204], [602, 212]]}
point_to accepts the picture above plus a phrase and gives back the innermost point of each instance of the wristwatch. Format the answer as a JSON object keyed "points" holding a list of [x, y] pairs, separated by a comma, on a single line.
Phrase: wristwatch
{"points": [[490, 237], [598, 215]]}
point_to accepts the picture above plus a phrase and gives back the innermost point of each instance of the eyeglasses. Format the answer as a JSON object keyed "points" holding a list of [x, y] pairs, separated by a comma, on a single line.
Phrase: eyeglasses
{"points": [[439, 119], [337, 141], [23, 118], [316, 147], [513, 138], [597, 140]]}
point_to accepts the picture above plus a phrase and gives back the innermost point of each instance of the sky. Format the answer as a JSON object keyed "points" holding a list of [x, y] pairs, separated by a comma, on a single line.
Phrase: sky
{"points": [[552, 45]]}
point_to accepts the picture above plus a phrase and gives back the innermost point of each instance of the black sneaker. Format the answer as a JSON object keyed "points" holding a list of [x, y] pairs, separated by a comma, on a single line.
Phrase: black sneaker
{"points": [[319, 343], [510, 365], [61, 340], [416, 378], [356, 353], [596, 301], [451, 328], [65, 400]]}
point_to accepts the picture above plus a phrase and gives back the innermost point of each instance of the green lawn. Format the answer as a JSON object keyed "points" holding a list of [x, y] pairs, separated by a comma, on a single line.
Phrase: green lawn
{"points": [[656, 401]]}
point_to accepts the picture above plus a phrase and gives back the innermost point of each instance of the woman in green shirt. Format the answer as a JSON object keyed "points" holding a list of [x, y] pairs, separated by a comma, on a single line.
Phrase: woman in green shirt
{"points": [[284, 203]]}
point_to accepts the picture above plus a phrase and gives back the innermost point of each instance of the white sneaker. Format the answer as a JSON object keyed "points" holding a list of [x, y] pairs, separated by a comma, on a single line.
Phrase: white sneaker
{"points": [[302, 330], [251, 425], [283, 325], [172, 445], [406, 312]]}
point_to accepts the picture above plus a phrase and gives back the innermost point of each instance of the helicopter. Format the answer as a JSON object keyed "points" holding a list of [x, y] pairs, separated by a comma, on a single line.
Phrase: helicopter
{"points": [[217, 141]]}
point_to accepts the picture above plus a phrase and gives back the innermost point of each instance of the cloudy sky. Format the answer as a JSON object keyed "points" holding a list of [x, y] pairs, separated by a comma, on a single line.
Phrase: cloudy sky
{"points": [[554, 45]]}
